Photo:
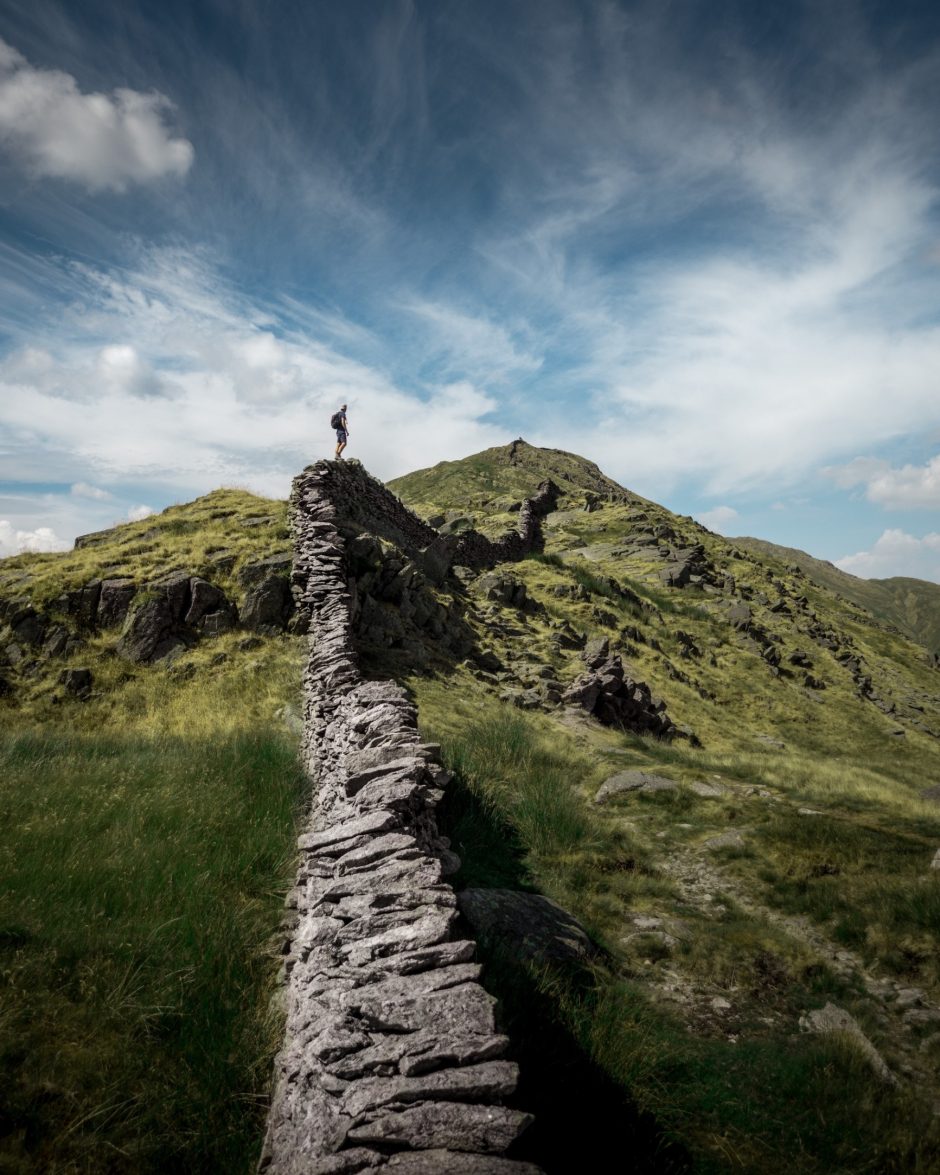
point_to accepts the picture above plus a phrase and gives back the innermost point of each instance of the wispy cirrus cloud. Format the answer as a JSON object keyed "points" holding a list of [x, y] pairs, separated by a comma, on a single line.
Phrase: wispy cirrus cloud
{"points": [[98, 140], [214, 389]]}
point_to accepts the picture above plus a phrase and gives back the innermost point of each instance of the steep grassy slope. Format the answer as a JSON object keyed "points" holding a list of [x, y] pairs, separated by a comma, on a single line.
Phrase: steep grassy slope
{"points": [[786, 862], [912, 605], [146, 842]]}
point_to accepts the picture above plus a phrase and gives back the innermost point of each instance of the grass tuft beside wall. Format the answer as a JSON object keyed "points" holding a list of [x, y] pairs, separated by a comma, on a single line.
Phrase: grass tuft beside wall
{"points": [[141, 881]]}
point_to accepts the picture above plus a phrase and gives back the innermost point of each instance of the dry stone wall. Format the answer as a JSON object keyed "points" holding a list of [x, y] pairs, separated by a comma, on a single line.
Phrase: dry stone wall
{"points": [[391, 1055]]}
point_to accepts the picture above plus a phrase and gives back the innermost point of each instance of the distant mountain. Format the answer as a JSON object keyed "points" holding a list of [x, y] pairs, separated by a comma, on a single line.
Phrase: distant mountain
{"points": [[912, 605]]}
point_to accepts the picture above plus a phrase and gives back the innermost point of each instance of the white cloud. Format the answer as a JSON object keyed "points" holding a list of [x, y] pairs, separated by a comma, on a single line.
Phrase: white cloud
{"points": [[858, 471], [910, 487], [138, 513], [233, 397], [99, 140], [82, 489], [897, 553], [43, 538], [718, 519]]}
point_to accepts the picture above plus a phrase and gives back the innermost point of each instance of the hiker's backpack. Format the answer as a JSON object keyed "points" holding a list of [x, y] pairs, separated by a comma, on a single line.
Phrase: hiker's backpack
{"points": [[336, 420]]}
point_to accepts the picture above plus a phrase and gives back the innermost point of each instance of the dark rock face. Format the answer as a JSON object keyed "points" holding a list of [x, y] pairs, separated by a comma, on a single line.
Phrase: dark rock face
{"points": [[170, 616], [531, 926], [27, 626], [56, 642], [114, 601], [609, 694], [268, 604]]}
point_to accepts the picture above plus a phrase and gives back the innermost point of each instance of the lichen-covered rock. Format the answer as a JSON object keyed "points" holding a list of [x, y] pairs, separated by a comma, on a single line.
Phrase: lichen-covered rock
{"points": [[629, 781]]}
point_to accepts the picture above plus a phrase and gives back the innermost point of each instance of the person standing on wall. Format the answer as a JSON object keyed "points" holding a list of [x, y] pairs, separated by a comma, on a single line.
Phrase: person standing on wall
{"points": [[338, 422]]}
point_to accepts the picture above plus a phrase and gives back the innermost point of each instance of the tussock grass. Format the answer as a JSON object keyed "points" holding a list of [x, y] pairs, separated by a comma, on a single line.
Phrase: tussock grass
{"points": [[141, 883], [764, 1101]]}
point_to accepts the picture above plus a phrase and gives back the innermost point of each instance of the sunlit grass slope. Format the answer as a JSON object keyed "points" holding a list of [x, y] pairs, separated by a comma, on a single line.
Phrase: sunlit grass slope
{"points": [[146, 842], [911, 604], [761, 1098], [828, 895]]}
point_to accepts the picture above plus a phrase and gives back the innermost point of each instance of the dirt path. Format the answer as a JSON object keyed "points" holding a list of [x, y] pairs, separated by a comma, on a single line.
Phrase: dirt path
{"points": [[900, 1010]]}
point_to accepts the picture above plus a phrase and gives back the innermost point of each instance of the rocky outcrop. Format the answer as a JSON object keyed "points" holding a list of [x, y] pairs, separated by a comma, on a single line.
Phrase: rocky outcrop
{"points": [[612, 696], [171, 614], [268, 604], [391, 1055]]}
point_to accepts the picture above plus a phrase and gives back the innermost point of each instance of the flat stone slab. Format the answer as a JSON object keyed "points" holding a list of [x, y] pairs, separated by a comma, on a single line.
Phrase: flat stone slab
{"points": [[627, 781], [707, 791], [725, 840]]}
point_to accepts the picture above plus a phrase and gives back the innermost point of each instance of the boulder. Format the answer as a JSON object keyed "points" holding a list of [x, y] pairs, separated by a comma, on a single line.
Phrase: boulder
{"points": [[504, 589], [609, 694], [529, 925], [596, 652], [732, 839], [832, 1019], [114, 601], [56, 642], [154, 629], [28, 626], [739, 615], [82, 603], [628, 781], [77, 682], [268, 604], [205, 599]]}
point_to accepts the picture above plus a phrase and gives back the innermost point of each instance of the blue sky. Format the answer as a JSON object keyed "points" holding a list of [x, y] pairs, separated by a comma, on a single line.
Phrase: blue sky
{"points": [[696, 242]]}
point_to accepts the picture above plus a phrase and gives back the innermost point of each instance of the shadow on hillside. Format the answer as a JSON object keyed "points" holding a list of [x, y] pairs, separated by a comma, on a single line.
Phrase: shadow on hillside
{"points": [[584, 1121]]}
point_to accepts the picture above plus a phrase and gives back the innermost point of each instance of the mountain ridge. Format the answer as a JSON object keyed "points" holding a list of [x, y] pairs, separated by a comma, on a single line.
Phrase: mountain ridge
{"points": [[911, 604], [767, 859]]}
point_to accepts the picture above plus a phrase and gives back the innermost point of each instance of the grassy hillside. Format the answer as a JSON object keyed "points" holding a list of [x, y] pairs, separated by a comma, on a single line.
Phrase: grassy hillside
{"points": [[146, 843], [783, 865], [780, 863], [912, 605]]}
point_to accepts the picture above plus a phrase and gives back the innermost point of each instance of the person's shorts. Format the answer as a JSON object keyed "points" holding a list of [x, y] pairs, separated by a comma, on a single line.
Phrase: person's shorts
{"points": [[341, 436]]}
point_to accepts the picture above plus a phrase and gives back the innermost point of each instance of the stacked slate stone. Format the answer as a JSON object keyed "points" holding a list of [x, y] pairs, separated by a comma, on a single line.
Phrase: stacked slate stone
{"points": [[611, 695], [475, 550], [391, 1058]]}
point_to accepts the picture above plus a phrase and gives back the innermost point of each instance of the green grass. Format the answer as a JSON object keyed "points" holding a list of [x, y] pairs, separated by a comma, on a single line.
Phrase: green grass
{"points": [[762, 1100], [142, 878]]}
